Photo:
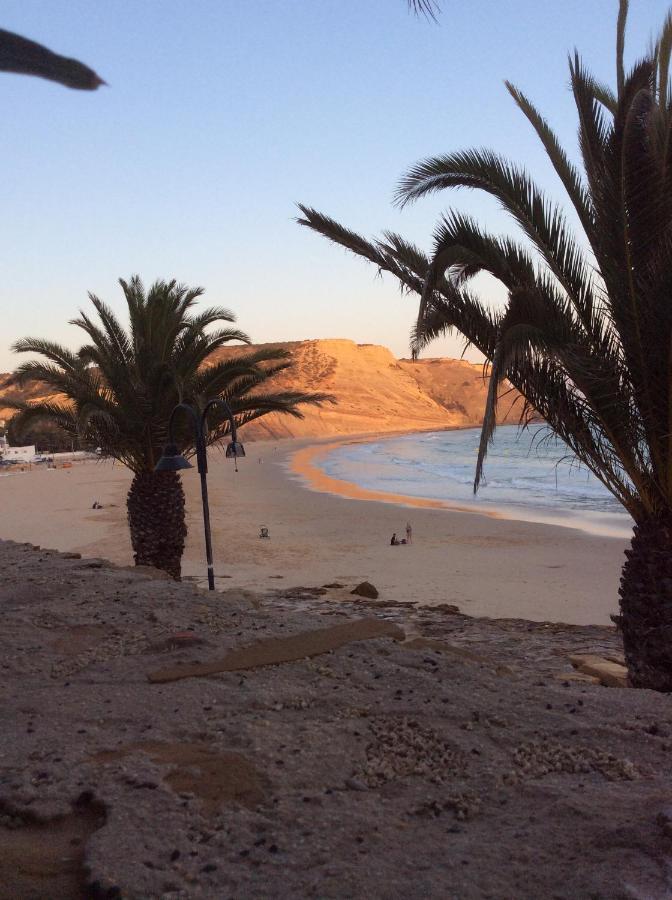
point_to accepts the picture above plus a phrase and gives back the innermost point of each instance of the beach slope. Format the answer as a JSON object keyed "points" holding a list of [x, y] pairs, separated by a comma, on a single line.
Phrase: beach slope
{"points": [[335, 532]]}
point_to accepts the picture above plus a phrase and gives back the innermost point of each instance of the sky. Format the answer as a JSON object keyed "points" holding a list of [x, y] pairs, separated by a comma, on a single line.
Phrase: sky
{"points": [[221, 115]]}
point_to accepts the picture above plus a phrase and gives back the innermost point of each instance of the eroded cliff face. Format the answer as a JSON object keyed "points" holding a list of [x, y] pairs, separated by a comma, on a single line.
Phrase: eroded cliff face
{"points": [[33, 392], [459, 387], [375, 392]]}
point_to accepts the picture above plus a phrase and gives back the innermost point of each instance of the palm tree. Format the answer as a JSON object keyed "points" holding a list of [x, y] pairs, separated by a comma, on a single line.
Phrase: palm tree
{"points": [[586, 332], [120, 388]]}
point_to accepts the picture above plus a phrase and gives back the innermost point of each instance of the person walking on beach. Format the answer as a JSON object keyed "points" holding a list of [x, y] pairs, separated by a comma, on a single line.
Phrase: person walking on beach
{"points": [[409, 533]]}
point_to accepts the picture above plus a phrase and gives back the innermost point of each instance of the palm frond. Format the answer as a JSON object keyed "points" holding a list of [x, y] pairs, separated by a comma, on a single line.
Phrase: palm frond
{"points": [[379, 253], [28, 415], [604, 95], [427, 8], [663, 53], [542, 221], [22, 56], [121, 386], [623, 7], [566, 170]]}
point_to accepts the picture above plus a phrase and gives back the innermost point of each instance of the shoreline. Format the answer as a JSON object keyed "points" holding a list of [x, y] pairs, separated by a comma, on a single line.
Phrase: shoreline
{"points": [[303, 465], [487, 566]]}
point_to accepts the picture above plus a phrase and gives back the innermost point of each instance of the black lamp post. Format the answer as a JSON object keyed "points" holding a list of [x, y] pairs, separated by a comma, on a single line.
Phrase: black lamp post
{"points": [[172, 461]]}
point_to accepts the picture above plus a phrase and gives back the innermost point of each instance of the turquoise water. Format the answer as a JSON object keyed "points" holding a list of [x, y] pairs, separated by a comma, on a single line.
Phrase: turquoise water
{"points": [[524, 479]]}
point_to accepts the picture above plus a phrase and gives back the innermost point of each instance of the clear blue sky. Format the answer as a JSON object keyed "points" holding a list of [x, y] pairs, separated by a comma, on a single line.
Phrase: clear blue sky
{"points": [[221, 114]]}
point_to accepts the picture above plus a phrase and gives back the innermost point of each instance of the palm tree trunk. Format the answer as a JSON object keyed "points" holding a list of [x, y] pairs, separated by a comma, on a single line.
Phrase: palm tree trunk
{"points": [[646, 605], [155, 506]]}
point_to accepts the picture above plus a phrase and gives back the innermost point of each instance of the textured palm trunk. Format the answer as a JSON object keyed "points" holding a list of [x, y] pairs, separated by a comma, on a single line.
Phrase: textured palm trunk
{"points": [[155, 506], [646, 605]]}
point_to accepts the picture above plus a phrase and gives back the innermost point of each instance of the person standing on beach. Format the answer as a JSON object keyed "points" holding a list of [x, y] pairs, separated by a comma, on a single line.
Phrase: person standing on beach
{"points": [[409, 533]]}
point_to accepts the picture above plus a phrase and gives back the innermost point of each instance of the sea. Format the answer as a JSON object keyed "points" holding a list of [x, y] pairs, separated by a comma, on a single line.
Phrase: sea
{"points": [[527, 476]]}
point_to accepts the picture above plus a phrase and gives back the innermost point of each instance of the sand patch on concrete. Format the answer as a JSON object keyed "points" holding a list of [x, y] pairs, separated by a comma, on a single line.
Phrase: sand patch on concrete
{"points": [[215, 778], [78, 639], [46, 859], [421, 643], [274, 651]]}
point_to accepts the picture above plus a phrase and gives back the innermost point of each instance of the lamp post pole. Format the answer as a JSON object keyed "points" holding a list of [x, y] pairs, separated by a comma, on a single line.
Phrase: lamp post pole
{"points": [[172, 460], [202, 465]]}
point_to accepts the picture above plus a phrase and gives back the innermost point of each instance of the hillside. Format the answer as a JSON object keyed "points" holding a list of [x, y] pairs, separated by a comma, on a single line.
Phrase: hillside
{"points": [[458, 386], [375, 392]]}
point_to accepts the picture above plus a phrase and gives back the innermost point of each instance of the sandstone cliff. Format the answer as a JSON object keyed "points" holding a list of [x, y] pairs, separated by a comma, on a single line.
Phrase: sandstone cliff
{"points": [[375, 392]]}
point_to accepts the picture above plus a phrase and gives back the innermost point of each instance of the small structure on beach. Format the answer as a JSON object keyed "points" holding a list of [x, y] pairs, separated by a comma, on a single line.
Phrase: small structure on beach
{"points": [[18, 454]]}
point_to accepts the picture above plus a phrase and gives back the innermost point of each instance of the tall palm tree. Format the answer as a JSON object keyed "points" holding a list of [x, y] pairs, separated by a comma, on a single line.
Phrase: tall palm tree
{"points": [[119, 390], [586, 332]]}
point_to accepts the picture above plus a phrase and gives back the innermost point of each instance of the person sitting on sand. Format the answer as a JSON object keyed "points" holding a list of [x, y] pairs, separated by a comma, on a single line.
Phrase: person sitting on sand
{"points": [[394, 542]]}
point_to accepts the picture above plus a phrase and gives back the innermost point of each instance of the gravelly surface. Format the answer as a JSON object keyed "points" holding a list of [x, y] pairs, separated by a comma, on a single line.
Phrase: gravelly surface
{"points": [[375, 771]]}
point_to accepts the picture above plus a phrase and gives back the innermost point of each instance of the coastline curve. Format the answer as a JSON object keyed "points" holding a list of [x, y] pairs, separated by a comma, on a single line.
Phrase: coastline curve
{"points": [[303, 464]]}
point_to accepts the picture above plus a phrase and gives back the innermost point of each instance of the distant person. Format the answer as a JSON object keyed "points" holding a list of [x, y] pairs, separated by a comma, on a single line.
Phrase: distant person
{"points": [[394, 542], [409, 533]]}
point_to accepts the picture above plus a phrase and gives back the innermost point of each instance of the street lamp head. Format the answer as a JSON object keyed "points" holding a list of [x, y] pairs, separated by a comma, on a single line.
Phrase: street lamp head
{"points": [[172, 460], [234, 450]]}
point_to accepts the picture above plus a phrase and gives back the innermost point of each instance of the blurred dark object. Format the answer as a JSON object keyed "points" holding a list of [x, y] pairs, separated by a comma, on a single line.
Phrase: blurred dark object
{"points": [[24, 57]]}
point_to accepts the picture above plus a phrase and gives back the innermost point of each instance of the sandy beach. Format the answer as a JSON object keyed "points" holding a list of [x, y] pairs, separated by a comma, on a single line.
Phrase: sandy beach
{"points": [[323, 531]]}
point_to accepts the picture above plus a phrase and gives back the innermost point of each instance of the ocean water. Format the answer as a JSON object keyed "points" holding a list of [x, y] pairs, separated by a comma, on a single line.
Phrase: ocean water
{"points": [[524, 478]]}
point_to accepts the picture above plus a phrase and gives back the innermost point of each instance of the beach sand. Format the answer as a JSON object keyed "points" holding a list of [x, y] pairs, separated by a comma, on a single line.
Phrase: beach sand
{"points": [[332, 533]]}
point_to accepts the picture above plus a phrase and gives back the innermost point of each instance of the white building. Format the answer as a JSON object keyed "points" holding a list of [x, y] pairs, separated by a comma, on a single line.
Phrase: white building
{"points": [[20, 454]]}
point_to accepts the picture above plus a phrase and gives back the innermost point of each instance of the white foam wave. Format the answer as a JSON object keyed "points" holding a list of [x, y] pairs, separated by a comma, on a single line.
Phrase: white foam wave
{"points": [[440, 466]]}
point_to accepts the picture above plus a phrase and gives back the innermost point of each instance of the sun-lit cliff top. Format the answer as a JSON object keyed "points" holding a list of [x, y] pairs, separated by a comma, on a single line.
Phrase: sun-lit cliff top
{"points": [[375, 392]]}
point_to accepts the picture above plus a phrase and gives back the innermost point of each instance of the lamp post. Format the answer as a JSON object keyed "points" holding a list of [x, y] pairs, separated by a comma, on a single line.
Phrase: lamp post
{"points": [[172, 461]]}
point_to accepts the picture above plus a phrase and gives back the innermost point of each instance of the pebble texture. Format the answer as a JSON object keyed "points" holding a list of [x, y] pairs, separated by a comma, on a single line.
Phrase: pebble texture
{"points": [[463, 762]]}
